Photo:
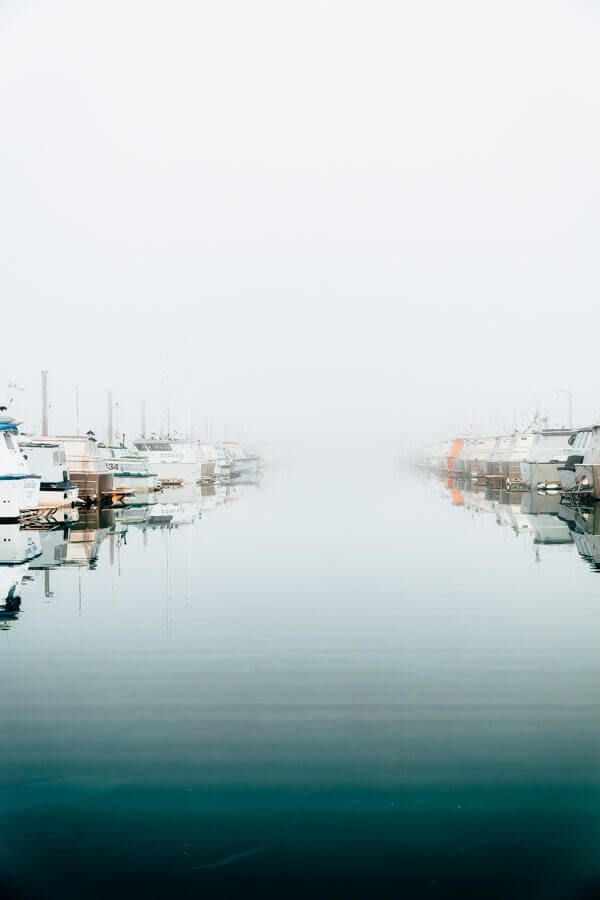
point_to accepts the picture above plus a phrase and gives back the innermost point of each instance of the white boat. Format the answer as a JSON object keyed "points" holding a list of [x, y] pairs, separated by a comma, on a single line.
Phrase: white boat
{"points": [[48, 460], [208, 465], [243, 461], [86, 467], [220, 457], [131, 471], [583, 463], [19, 488], [462, 461], [514, 453], [173, 460], [493, 466], [548, 451], [481, 450]]}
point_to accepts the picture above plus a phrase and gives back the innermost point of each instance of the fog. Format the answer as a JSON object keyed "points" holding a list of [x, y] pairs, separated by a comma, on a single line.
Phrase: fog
{"points": [[306, 221]]}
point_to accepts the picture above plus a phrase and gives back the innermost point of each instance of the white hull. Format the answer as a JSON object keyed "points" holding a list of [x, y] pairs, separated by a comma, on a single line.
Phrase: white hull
{"points": [[246, 467], [18, 495], [186, 473], [54, 499], [142, 484], [534, 473]]}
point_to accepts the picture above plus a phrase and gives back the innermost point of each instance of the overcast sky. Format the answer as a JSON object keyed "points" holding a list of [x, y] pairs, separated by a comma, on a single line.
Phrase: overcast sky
{"points": [[322, 218]]}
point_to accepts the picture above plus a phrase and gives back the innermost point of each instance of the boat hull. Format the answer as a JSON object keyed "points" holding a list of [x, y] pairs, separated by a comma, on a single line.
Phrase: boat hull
{"points": [[535, 473], [246, 466], [92, 485], [177, 472], [141, 483], [18, 494], [51, 498]]}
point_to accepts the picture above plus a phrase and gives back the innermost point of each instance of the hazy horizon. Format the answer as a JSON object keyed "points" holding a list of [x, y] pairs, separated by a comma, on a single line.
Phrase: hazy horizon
{"points": [[326, 221]]}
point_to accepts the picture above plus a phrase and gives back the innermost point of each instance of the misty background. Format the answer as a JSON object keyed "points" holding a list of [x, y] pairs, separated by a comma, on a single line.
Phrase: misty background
{"points": [[374, 221]]}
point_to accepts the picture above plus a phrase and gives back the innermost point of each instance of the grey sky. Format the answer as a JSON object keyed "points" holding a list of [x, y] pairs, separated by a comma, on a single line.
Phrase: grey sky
{"points": [[331, 217]]}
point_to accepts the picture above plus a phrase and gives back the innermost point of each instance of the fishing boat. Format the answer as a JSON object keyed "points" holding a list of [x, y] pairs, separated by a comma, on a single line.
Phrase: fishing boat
{"points": [[454, 452], [548, 451], [48, 459], [462, 461], [514, 453], [481, 452], [174, 460], [86, 467], [434, 456], [19, 488], [242, 461], [581, 470], [131, 472], [493, 466], [208, 465]]}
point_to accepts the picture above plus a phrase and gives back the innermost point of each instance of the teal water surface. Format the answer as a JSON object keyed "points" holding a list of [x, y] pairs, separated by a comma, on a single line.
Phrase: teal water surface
{"points": [[318, 685]]}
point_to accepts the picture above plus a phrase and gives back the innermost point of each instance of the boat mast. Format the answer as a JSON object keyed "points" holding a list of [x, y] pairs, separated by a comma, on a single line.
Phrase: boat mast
{"points": [[569, 394], [143, 431], [44, 402], [109, 429]]}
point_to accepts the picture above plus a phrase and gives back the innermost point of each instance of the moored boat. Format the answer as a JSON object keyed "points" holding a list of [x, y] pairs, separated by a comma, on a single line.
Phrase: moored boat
{"points": [[131, 472], [48, 459], [480, 454], [584, 462], [548, 451], [86, 467], [173, 460], [493, 466], [514, 453], [242, 460], [19, 488]]}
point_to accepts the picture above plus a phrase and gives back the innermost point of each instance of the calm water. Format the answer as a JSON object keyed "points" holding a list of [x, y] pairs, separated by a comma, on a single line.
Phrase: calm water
{"points": [[328, 684]]}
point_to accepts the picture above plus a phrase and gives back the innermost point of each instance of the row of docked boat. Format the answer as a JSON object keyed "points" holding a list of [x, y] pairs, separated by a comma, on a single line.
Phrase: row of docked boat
{"points": [[55, 472], [560, 459]]}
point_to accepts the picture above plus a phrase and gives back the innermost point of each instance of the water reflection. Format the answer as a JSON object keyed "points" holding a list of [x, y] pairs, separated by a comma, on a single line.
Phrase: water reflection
{"points": [[76, 538], [545, 518]]}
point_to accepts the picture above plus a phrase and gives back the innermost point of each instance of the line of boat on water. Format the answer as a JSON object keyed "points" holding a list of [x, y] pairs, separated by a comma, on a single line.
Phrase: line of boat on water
{"points": [[543, 459], [39, 475], [546, 517]]}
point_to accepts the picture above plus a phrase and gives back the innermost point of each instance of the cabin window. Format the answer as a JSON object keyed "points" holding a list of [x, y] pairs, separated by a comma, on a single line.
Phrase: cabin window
{"points": [[9, 441], [159, 445]]}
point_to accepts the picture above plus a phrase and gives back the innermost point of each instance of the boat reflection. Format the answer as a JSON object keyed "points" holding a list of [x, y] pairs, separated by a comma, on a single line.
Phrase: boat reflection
{"points": [[543, 512], [18, 548], [540, 515], [76, 537], [583, 523]]}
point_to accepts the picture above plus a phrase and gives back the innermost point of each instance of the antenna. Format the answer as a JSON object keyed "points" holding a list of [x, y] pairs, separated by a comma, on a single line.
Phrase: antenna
{"points": [[569, 394], [44, 402], [76, 409], [109, 429]]}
